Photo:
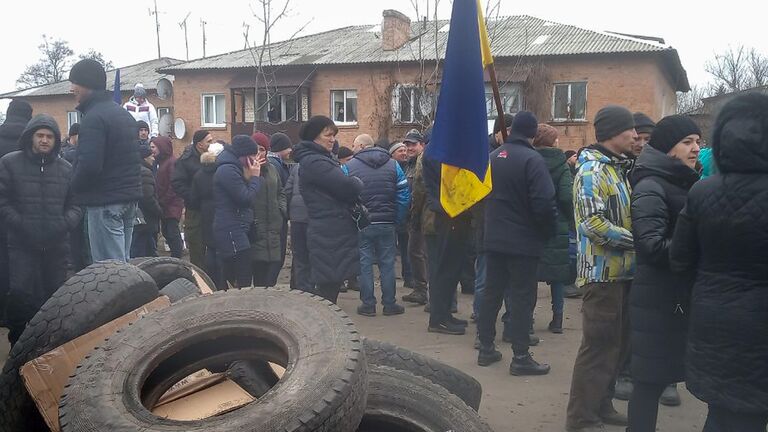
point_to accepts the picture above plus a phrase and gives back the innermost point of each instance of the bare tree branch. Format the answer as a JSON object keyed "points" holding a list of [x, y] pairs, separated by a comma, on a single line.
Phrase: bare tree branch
{"points": [[52, 66]]}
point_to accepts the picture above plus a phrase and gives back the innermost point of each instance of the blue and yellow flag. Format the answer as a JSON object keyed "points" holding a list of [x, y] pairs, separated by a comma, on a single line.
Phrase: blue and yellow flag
{"points": [[460, 134]]}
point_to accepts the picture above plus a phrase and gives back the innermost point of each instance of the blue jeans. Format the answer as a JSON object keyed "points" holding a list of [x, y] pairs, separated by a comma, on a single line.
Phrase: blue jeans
{"points": [[110, 230], [377, 242], [480, 275], [558, 302]]}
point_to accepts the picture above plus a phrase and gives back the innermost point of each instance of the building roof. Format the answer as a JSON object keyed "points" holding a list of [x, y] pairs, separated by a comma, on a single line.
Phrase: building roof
{"points": [[513, 36], [145, 73]]}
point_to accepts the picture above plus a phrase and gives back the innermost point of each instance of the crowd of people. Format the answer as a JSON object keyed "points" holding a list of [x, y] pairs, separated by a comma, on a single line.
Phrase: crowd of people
{"points": [[664, 239]]}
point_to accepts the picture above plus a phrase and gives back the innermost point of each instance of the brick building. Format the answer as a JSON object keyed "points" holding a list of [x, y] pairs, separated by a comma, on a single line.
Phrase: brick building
{"points": [[383, 80]]}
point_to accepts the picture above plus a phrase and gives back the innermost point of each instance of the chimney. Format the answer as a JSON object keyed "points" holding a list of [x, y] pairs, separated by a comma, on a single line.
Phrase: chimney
{"points": [[395, 30]]}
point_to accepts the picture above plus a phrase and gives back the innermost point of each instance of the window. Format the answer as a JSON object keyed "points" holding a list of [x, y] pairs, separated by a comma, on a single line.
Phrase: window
{"points": [[569, 101], [213, 111], [72, 118], [163, 111], [511, 99], [279, 107], [344, 106], [408, 104]]}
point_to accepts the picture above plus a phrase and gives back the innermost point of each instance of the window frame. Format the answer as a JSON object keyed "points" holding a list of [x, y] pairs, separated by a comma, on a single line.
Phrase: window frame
{"points": [[504, 93], [415, 112], [357, 112], [78, 117], [570, 85], [219, 122]]}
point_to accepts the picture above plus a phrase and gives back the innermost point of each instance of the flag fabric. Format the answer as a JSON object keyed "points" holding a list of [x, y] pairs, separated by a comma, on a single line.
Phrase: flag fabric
{"points": [[116, 95], [460, 133]]}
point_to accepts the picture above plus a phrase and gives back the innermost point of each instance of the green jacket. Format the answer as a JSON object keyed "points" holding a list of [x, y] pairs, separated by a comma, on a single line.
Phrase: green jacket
{"points": [[554, 265], [421, 217], [269, 212]]}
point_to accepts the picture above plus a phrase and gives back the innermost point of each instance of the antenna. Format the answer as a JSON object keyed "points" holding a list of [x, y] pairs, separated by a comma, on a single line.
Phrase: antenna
{"points": [[203, 23], [183, 24], [157, 27], [247, 28]]}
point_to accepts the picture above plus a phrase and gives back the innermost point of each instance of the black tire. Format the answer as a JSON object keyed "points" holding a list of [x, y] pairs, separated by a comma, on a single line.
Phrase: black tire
{"points": [[179, 290], [255, 377], [455, 381], [94, 296], [323, 389], [165, 270], [399, 401]]}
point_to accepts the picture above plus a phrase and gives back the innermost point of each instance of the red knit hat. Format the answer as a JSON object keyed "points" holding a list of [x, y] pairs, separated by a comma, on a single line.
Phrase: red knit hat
{"points": [[261, 139], [546, 136]]}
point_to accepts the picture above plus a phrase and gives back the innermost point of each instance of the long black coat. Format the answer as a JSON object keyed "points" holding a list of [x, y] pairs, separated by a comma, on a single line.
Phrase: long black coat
{"points": [[184, 170], [723, 235], [148, 203], [659, 298], [328, 194], [202, 198]]}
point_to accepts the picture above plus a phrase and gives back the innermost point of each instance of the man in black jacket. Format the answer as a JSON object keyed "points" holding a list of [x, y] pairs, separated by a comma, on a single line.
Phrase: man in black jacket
{"points": [[519, 218], [106, 178], [35, 204], [184, 170]]}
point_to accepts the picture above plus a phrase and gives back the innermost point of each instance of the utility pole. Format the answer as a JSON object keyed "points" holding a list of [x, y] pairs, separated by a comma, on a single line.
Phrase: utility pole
{"points": [[203, 23], [183, 24], [157, 27]]}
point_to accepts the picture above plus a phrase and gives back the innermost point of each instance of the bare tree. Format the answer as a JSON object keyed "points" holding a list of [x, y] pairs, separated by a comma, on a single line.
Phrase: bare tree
{"points": [[690, 102], [99, 57], [52, 66], [737, 69], [757, 66]]}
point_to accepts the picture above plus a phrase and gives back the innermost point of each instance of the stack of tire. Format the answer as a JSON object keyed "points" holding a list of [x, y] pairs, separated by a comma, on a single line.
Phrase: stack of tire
{"points": [[334, 380]]}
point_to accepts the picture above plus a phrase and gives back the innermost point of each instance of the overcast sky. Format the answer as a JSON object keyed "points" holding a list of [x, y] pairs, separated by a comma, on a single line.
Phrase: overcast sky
{"points": [[126, 35]]}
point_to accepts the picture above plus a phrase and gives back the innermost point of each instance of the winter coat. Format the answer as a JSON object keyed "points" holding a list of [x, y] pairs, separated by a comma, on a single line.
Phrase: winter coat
{"points": [[145, 112], [202, 197], [69, 153], [385, 188], [601, 201], [268, 210], [332, 234], [171, 203], [234, 197], [108, 165], [659, 296], [35, 198], [722, 234], [184, 170], [421, 217], [148, 203], [282, 168], [297, 209], [555, 264], [10, 132], [520, 210]]}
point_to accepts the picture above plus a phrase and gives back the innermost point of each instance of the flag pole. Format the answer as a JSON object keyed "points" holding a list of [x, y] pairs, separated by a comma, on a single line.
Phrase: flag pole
{"points": [[497, 99]]}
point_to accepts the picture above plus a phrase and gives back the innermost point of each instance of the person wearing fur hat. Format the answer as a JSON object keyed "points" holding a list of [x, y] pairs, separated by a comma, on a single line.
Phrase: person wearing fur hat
{"points": [[606, 265], [236, 184], [203, 198], [519, 219], [661, 178], [722, 235], [106, 177], [148, 218], [141, 109]]}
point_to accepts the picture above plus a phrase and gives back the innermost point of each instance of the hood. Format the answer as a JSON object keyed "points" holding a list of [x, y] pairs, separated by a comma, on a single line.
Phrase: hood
{"points": [[208, 161], [740, 136], [652, 162], [307, 148], [12, 129], [374, 157], [38, 122], [554, 157], [164, 147], [227, 156]]}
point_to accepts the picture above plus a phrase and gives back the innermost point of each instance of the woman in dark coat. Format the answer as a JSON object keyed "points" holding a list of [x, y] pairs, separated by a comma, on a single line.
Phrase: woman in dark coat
{"points": [[235, 185], [328, 194], [202, 198], [662, 176], [172, 204], [723, 235], [555, 264], [144, 243]]}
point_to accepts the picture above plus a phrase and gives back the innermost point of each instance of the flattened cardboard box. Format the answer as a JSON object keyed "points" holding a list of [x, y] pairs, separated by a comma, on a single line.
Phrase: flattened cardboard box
{"points": [[217, 399], [46, 376]]}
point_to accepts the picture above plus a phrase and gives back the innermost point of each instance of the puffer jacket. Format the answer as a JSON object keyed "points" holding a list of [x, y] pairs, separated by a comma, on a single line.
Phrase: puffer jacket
{"points": [[555, 264], [13, 127], [268, 211], [297, 210], [722, 234], [148, 203], [385, 192], [202, 196], [601, 201], [332, 235], [35, 197], [171, 203], [184, 170], [659, 296]]}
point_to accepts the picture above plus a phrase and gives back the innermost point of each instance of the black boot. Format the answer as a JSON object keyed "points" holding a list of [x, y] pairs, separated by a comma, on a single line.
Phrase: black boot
{"points": [[418, 296], [556, 325], [488, 355], [526, 365]]}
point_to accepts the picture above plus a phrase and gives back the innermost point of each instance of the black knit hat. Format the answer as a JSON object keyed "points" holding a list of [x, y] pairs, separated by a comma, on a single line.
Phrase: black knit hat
{"points": [[315, 126], [145, 151], [643, 123], [74, 129], [199, 136], [19, 108], [612, 120], [89, 74], [345, 152], [508, 119], [243, 145], [671, 130], [141, 124], [525, 124], [279, 142]]}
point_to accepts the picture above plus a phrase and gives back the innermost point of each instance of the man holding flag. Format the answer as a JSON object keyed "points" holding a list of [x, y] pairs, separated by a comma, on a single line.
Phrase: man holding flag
{"points": [[456, 170]]}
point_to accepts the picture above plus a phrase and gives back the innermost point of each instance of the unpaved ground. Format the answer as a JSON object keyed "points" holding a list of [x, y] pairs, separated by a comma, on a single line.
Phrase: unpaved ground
{"points": [[510, 404]]}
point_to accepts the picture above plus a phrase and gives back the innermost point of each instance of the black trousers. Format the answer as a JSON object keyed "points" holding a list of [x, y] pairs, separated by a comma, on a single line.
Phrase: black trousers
{"points": [[275, 270], [513, 277], [301, 270], [172, 235], [329, 291], [644, 406], [725, 420], [144, 243], [265, 273], [36, 275], [78, 247], [405, 259], [446, 253], [4, 276], [237, 269]]}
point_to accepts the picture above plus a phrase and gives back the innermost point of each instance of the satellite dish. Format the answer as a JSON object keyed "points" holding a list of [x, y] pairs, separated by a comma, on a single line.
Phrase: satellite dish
{"points": [[165, 124], [164, 89], [179, 128]]}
